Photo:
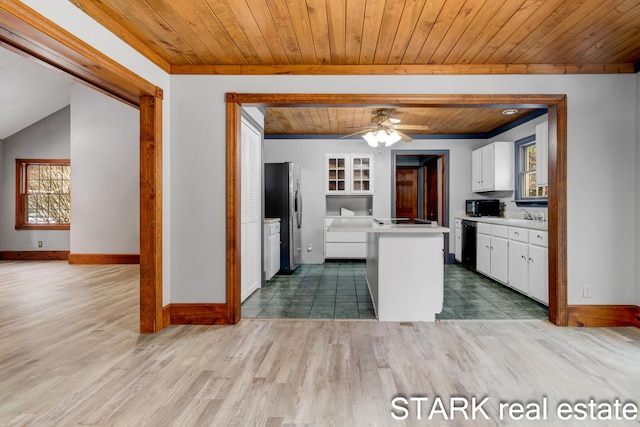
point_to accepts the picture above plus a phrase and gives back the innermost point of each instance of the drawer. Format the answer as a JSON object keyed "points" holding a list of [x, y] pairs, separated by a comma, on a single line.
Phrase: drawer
{"points": [[346, 250], [346, 236], [499, 231], [484, 228], [519, 234], [539, 238]]}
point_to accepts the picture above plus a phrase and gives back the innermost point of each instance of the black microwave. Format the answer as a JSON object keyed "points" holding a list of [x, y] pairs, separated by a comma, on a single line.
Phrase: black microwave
{"points": [[483, 207]]}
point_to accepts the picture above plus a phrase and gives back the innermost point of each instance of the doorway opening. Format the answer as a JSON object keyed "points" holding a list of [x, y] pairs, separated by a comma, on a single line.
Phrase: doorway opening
{"points": [[557, 117], [27, 33]]}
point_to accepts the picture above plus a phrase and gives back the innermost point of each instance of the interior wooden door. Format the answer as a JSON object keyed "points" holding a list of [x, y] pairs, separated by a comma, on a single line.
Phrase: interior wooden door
{"points": [[432, 184], [406, 192]]}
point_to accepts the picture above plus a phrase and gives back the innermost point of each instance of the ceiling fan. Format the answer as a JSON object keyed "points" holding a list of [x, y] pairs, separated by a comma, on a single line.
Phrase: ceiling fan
{"points": [[384, 129]]}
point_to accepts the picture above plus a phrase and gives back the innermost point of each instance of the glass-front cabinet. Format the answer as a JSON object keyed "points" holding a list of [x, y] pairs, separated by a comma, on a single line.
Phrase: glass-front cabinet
{"points": [[348, 174], [361, 174], [336, 174]]}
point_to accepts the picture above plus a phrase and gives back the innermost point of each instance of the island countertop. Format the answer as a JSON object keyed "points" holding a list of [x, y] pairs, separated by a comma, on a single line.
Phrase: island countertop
{"points": [[373, 226]]}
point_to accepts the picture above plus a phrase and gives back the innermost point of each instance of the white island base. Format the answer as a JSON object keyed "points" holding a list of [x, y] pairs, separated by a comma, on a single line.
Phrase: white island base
{"points": [[405, 269], [405, 275]]}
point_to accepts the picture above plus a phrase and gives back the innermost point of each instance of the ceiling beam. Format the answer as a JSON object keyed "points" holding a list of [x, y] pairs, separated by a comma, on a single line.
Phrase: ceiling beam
{"points": [[409, 69]]}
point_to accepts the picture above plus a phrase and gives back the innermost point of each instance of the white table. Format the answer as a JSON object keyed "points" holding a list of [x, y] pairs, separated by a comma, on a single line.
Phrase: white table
{"points": [[405, 268]]}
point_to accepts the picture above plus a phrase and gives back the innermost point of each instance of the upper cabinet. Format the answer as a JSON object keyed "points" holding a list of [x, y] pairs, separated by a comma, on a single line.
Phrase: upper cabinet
{"points": [[348, 174], [492, 167], [542, 154]]}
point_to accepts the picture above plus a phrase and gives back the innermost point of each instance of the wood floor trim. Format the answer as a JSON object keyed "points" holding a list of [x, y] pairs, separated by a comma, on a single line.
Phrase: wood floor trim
{"points": [[34, 255], [104, 259], [197, 314], [604, 315]]}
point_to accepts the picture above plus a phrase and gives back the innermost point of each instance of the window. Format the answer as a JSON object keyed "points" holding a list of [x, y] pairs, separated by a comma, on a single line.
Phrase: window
{"points": [[43, 194], [527, 191]]}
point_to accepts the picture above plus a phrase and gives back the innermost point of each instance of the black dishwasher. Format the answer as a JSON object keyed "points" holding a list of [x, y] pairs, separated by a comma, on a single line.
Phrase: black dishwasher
{"points": [[469, 244]]}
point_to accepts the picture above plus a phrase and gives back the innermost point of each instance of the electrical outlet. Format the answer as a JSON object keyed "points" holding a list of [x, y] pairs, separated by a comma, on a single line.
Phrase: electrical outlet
{"points": [[309, 248], [586, 291], [39, 243]]}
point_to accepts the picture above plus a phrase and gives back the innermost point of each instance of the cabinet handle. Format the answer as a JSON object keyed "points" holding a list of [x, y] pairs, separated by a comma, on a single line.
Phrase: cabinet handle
{"points": [[523, 257], [539, 236], [516, 233], [530, 259]]}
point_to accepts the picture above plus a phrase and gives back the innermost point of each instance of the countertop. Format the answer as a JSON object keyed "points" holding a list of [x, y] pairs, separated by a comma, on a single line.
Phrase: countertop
{"points": [[368, 225], [511, 222], [271, 220]]}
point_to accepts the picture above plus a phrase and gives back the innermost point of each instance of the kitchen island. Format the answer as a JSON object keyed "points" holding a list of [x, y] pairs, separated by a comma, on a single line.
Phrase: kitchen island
{"points": [[405, 267]]}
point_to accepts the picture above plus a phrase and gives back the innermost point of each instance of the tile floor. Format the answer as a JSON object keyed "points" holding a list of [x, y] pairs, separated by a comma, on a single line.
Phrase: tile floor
{"points": [[338, 290]]}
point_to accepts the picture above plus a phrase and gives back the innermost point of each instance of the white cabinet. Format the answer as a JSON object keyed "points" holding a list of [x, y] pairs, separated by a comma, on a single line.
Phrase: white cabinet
{"points": [[492, 251], [458, 248], [492, 167], [528, 263], [519, 266], [344, 245], [542, 154], [483, 254], [538, 266], [348, 174], [271, 247], [499, 257]]}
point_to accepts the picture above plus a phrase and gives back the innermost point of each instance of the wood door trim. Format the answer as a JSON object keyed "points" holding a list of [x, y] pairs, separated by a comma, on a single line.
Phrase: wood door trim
{"points": [[28, 33], [557, 205]]}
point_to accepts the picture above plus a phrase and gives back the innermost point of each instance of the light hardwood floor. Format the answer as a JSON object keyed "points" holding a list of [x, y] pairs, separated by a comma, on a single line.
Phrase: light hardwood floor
{"points": [[70, 354]]}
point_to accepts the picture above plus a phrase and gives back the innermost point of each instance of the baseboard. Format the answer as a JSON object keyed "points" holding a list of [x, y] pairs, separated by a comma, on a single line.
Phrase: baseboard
{"points": [[104, 259], [34, 255], [166, 316], [604, 315], [196, 314]]}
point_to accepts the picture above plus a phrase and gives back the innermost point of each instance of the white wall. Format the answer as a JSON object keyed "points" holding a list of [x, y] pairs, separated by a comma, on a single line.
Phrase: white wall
{"points": [[105, 180], [515, 134], [601, 166], [45, 139], [76, 22], [309, 153]]}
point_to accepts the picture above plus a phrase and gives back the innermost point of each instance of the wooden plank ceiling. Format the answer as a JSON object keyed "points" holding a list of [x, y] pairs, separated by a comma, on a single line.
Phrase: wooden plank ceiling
{"points": [[347, 120], [378, 37], [592, 35]]}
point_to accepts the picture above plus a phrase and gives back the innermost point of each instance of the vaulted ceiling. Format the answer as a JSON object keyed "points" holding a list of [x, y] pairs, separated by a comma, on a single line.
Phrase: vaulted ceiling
{"points": [[378, 37]]}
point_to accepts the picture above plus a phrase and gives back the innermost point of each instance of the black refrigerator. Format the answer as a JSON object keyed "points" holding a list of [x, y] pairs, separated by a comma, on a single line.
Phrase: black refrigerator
{"points": [[282, 199]]}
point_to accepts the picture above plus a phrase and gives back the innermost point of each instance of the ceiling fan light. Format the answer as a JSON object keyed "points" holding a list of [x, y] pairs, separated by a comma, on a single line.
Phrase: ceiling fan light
{"points": [[381, 135], [392, 138], [371, 139]]}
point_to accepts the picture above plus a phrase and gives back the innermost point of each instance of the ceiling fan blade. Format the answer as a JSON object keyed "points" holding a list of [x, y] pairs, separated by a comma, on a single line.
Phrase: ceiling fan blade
{"points": [[412, 127], [356, 133], [404, 136]]}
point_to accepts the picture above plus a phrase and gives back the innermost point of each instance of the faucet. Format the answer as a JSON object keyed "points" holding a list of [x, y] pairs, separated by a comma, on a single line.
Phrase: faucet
{"points": [[527, 215]]}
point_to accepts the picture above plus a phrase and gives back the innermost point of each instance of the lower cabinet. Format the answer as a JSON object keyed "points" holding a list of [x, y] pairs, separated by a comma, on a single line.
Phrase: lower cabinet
{"points": [[458, 248], [539, 273], [341, 245], [500, 259], [519, 266], [528, 263], [492, 252]]}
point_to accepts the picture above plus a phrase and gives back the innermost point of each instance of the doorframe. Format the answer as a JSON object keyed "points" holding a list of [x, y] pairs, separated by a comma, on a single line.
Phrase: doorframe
{"points": [[27, 33], [556, 105], [444, 154]]}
